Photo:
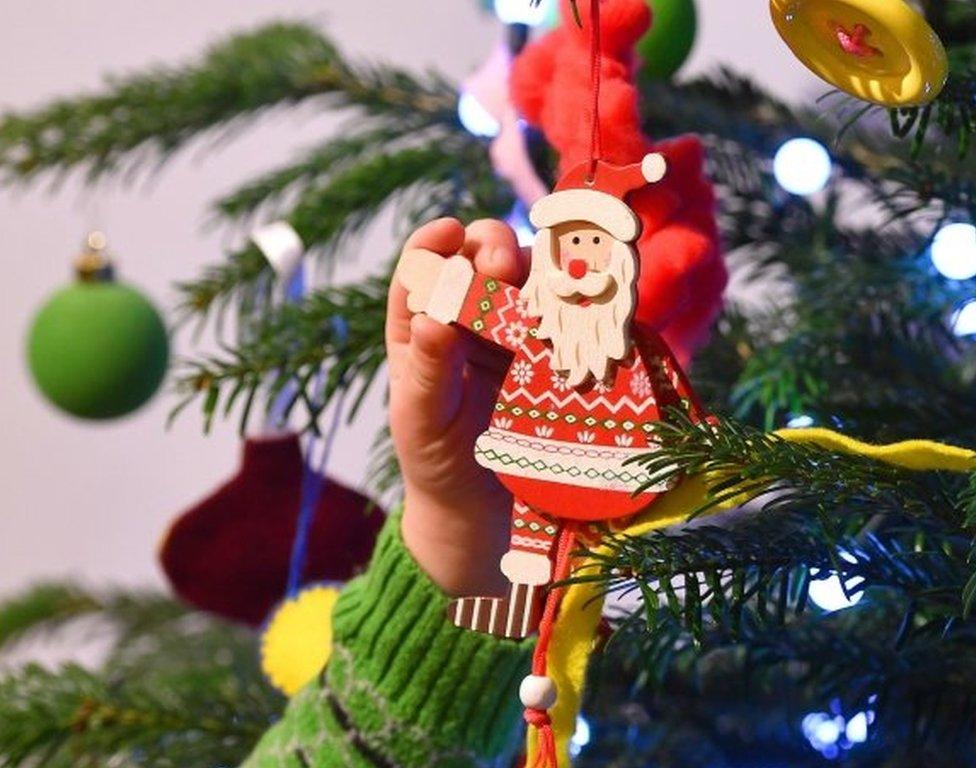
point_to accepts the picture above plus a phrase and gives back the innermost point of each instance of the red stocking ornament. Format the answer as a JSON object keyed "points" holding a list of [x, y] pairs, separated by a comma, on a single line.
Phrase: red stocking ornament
{"points": [[229, 554]]}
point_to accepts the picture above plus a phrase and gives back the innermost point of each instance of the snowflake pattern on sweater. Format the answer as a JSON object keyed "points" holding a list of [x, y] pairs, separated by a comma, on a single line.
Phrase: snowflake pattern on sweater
{"points": [[544, 432]]}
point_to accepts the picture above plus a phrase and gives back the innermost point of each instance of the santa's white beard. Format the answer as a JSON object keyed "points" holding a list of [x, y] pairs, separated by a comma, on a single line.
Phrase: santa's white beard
{"points": [[585, 340]]}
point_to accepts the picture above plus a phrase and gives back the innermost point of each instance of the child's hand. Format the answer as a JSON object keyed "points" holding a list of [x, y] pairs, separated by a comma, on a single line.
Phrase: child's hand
{"points": [[443, 384]]}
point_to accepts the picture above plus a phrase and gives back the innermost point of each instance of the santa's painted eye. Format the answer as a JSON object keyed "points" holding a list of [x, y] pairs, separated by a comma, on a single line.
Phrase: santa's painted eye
{"points": [[596, 241], [576, 241]]}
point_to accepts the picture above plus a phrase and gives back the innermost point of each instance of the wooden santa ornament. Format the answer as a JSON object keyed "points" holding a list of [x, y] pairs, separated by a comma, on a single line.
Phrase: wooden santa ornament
{"points": [[584, 386]]}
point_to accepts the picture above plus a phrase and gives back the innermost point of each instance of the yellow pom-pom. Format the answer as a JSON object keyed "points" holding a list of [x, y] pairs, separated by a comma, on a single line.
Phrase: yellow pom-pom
{"points": [[298, 639], [878, 50]]}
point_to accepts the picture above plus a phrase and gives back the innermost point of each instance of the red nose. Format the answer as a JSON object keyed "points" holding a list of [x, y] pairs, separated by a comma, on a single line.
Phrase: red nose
{"points": [[577, 268]]}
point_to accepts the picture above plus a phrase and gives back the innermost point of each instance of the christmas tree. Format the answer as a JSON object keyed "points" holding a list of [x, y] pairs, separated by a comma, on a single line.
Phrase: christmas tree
{"points": [[826, 617]]}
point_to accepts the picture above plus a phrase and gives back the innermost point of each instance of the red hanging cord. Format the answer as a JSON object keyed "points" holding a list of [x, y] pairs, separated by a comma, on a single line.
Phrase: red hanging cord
{"points": [[596, 59], [539, 718]]}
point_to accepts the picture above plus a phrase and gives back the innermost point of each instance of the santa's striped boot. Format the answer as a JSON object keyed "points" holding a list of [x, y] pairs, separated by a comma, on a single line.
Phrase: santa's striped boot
{"points": [[528, 567]]}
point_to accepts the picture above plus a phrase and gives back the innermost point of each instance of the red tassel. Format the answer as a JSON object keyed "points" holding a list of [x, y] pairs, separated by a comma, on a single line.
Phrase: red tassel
{"points": [[538, 718], [546, 754]]}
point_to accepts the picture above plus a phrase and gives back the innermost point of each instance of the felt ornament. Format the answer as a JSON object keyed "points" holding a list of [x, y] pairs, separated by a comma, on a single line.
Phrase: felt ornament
{"points": [[297, 642], [97, 349], [230, 553], [882, 51], [508, 151], [682, 275]]}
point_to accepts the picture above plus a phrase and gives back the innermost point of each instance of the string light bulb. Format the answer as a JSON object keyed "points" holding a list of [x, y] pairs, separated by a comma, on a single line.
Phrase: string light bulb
{"points": [[802, 166], [581, 736], [800, 421], [953, 251], [518, 220], [828, 592], [964, 319], [476, 120], [523, 11]]}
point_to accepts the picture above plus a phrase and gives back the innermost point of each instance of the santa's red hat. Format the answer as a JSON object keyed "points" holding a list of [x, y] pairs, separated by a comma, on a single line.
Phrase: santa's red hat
{"points": [[599, 199]]}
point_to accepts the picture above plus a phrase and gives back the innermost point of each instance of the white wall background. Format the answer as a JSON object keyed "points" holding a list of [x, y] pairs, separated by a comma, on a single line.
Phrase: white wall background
{"points": [[90, 501]]}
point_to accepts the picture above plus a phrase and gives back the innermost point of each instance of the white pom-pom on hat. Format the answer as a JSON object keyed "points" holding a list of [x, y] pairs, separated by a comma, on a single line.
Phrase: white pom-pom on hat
{"points": [[653, 167]]}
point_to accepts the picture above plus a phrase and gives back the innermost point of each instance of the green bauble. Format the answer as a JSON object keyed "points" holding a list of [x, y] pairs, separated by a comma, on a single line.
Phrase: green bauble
{"points": [[98, 349], [666, 47]]}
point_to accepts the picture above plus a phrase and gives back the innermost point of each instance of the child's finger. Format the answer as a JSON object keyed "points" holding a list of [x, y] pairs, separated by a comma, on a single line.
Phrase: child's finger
{"points": [[431, 379], [445, 236], [494, 248]]}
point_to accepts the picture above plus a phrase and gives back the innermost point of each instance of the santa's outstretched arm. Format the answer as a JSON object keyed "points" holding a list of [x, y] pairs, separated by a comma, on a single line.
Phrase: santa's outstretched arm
{"points": [[451, 291]]}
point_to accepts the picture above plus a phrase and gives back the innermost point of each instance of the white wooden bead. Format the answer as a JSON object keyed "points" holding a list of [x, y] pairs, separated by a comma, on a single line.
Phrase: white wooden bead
{"points": [[537, 692]]}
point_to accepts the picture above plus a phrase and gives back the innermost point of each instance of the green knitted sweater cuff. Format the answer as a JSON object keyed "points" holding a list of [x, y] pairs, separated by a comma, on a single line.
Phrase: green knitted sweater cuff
{"points": [[414, 687]]}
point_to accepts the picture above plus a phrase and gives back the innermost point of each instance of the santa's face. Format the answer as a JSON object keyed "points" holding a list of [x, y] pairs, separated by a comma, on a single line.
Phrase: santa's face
{"points": [[583, 257], [583, 248], [581, 286]]}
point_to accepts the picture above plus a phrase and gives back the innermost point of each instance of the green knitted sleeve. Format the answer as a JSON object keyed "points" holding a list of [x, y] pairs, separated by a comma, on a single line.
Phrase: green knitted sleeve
{"points": [[404, 688]]}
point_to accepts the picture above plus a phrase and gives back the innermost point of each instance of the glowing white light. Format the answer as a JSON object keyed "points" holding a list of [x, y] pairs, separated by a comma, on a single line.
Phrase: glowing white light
{"points": [[580, 738], [953, 251], [823, 731], [475, 118], [802, 166], [857, 728], [519, 222], [829, 594], [522, 11], [830, 734], [800, 422], [964, 319]]}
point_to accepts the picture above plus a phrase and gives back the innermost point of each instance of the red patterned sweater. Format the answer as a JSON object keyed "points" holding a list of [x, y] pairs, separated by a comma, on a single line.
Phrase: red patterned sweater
{"points": [[561, 449]]}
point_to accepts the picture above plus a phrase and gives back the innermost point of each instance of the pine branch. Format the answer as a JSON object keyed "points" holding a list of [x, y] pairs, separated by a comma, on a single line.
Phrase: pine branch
{"points": [[335, 156], [745, 464], [71, 716], [50, 607], [143, 120], [430, 180], [292, 345], [727, 107], [43, 606], [176, 688], [721, 584]]}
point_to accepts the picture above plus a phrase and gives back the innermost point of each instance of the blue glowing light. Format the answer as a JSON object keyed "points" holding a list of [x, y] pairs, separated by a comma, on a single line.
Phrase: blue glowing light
{"points": [[523, 11], [830, 733], [580, 738], [802, 166], [475, 118], [964, 319], [518, 220], [953, 251], [800, 422], [856, 729]]}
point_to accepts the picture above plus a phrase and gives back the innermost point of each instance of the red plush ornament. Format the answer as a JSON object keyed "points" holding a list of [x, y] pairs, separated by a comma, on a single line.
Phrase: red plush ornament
{"points": [[229, 554], [682, 274]]}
